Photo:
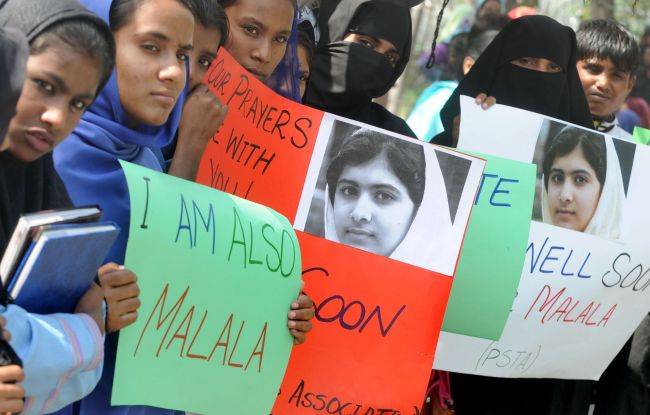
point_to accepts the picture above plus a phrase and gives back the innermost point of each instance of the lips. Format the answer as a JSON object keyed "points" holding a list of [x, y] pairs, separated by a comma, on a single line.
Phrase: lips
{"points": [[164, 97], [598, 97], [40, 140], [564, 213], [258, 74], [359, 232]]}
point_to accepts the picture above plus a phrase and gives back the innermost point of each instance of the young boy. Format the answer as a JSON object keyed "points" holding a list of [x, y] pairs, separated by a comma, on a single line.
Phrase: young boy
{"points": [[607, 60]]}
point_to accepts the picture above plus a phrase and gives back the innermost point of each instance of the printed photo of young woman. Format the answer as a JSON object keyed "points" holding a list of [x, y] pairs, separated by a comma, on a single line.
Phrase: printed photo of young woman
{"points": [[391, 197], [582, 179]]}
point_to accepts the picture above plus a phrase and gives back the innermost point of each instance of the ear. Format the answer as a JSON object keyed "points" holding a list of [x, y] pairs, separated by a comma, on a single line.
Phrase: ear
{"points": [[631, 83], [468, 62]]}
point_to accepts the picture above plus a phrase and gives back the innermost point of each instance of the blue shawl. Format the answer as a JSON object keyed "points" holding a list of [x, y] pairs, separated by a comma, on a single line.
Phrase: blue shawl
{"points": [[87, 161]]}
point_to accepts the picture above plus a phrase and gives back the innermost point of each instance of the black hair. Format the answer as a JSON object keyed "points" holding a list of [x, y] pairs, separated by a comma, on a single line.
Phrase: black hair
{"points": [[606, 39], [210, 14], [122, 11], [456, 49], [406, 159], [227, 3], [591, 143], [479, 42], [84, 37], [306, 39]]}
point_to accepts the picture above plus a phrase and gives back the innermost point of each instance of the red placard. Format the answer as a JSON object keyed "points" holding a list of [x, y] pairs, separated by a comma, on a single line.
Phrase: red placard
{"points": [[371, 349], [263, 149]]}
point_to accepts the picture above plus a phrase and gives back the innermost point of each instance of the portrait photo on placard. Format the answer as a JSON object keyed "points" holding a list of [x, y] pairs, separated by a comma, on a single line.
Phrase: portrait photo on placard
{"points": [[582, 179], [391, 197]]}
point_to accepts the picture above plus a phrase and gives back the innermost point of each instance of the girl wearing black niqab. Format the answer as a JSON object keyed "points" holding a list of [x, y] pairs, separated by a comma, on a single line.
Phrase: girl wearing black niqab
{"points": [[346, 76], [559, 95], [555, 94]]}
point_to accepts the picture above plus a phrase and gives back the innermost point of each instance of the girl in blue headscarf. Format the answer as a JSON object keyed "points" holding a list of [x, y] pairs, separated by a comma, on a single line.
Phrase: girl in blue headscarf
{"points": [[134, 116]]}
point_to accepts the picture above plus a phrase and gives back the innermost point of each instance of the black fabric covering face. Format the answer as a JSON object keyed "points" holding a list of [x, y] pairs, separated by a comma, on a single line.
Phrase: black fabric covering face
{"points": [[30, 187], [26, 188], [13, 58], [558, 95], [346, 76]]}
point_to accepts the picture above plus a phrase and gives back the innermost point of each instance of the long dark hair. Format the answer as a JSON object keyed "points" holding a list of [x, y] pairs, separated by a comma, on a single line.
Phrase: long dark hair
{"points": [[591, 143], [406, 159]]}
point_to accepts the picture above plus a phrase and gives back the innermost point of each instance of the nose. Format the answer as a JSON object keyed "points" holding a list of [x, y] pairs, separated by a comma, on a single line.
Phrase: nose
{"points": [[262, 52], [566, 193], [173, 71], [362, 211], [54, 115]]}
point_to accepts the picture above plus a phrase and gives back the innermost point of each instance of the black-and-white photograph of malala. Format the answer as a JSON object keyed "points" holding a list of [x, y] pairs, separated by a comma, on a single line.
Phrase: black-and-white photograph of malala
{"points": [[388, 195], [583, 178]]}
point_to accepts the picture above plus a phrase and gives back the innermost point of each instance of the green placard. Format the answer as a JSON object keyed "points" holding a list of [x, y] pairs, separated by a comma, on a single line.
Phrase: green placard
{"points": [[641, 135], [489, 269], [217, 276]]}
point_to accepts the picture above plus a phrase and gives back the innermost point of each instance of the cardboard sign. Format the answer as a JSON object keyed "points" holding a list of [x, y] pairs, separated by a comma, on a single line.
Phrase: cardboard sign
{"points": [[583, 286], [641, 135], [207, 263], [486, 280], [374, 334], [379, 213], [264, 146]]}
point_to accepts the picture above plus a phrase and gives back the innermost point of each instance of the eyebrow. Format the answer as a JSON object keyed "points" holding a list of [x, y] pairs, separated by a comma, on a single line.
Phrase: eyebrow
{"points": [[63, 86], [161, 36], [579, 171]]}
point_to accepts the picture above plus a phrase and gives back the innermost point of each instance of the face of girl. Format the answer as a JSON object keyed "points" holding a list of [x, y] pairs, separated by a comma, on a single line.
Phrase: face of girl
{"points": [[151, 53], [259, 31], [303, 71], [537, 64], [60, 84], [206, 43], [573, 191], [372, 207]]}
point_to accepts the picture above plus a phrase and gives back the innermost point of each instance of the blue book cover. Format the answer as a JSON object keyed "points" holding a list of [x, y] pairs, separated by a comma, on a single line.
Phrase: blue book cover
{"points": [[60, 265]]}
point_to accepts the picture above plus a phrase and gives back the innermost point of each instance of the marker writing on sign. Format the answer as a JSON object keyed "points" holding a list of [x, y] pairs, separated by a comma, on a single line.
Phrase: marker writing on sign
{"points": [[353, 315], [226, 345], [502, 187], [220, 181], [503, 357], [636, 278], [321, 402], [568, 310], [549, 258]]}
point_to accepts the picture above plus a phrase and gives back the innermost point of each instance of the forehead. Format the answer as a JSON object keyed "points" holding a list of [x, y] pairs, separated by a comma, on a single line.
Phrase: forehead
{"points": [[206, 39], [80, 73], [573, 160], [167, 17], [374, 172], [606, 63], [274, 14]]}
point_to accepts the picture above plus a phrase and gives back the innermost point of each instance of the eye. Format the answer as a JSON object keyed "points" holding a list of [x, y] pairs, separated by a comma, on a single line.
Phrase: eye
{"points": [[281, 39], [184, 57], [524, 61], [384, 196], [78, 105], [151, 47], [250, 30], [303, 76], [557, 178], [44, 86], [554, 67], [204, 61], [348, 191], [393, 58], [581, 179]]}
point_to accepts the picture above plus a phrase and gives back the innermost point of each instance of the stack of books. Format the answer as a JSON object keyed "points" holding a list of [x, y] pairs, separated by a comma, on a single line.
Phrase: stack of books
{"points": [[53, 257]]}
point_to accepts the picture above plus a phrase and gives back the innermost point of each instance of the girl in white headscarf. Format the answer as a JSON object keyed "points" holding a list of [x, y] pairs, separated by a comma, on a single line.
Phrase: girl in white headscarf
{"points": [[381, 193], [583, 185]]}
